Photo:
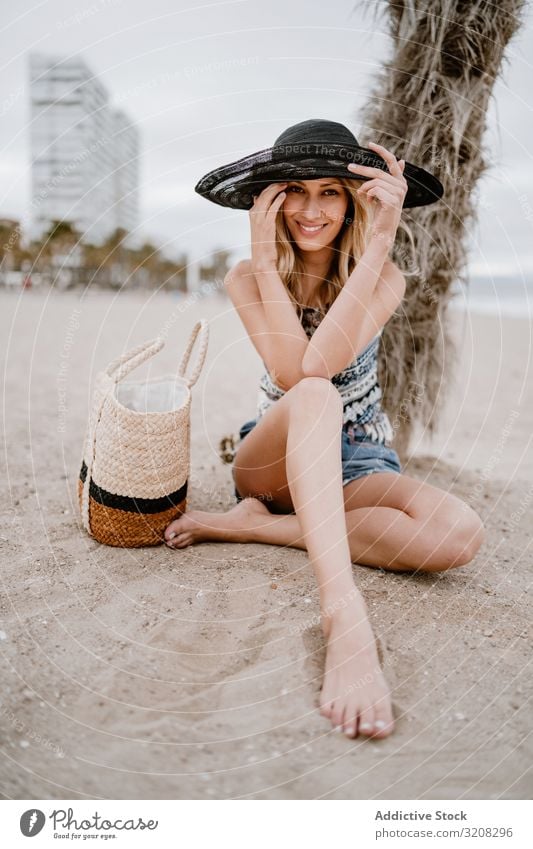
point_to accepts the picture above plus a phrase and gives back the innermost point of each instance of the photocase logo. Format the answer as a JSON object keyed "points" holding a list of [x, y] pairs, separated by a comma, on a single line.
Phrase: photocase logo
{"points": [[31, 822]]}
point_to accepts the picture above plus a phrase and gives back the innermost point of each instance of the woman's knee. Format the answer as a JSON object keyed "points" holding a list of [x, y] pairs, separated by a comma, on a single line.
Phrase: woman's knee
{"points": [[458, 535], [471, 534]]}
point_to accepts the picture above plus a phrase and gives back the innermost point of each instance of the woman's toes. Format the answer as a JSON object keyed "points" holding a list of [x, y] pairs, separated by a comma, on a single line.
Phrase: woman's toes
{"points": [[383, 722], [171, 537], [383, 728], [366, 721], [171, 531], [179, 541], [350, 720], [337, 717], [325, 709]]}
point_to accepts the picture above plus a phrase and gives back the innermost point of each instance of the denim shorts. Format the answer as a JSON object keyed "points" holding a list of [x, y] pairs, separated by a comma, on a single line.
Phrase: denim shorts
{"points": [[360, 454]]}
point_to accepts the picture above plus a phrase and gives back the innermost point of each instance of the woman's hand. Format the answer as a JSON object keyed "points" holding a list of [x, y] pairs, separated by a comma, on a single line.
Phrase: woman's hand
{"points": [[389, 190], [263, 226]]}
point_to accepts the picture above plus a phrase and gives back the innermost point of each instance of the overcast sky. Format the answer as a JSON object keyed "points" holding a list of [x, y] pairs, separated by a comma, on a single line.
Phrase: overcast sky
{"points": [[207, 83]]}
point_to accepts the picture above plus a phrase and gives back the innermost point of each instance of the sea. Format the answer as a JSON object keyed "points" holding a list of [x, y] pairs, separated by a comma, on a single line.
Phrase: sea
{"points": [[504, 294]]}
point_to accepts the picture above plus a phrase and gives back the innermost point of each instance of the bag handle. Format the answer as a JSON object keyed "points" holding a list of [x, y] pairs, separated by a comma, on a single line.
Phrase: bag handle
{"points": [[122, 366], [201, 327], [116, 370]]}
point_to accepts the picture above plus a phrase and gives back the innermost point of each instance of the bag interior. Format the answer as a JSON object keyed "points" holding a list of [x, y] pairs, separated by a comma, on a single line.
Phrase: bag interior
{"points": [[152, 396]]}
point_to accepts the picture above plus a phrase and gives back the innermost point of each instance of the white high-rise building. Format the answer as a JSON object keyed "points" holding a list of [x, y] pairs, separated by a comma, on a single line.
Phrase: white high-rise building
{"points": [[126, 173], [84, 153]]}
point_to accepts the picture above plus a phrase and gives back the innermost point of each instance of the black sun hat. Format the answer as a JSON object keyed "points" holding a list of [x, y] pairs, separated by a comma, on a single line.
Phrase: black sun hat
{"points": [[305, 151]]}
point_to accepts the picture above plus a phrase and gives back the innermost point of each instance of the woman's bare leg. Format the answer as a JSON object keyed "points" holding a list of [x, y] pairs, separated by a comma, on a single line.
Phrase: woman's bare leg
{"points": [[314, 475], [307, 474], [439, 531]]}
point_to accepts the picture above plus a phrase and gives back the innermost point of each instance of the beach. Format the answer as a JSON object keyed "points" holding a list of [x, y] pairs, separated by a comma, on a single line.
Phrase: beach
{"points": [[193, 674]]}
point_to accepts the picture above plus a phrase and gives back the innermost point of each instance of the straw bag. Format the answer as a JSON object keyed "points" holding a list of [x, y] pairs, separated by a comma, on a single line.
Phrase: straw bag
{"points": [[136, 455]]}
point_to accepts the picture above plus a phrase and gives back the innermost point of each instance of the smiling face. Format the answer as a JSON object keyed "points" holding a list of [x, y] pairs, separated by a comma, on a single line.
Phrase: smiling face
{"points": [[314, 211]]}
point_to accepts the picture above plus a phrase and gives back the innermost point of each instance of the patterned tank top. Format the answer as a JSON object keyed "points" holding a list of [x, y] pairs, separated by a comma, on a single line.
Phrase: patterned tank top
{"points": [[357, 384]]}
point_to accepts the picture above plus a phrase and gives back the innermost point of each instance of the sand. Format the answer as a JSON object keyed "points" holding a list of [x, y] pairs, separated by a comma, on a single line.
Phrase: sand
{"points": [[195, 674]]}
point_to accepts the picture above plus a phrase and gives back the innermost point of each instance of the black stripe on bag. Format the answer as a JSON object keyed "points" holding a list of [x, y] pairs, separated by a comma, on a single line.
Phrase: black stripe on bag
{"points": [[133, 505]]}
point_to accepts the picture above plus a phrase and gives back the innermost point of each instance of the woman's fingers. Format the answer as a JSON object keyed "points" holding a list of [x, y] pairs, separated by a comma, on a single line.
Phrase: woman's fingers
{"points": [[274, 187], [267, 207], [379, 181], [395, 166], [368, 171], [275, 205], [263, 200], [389, 158], [377, 173], [386, 179], [385, 197], [388, 187]]}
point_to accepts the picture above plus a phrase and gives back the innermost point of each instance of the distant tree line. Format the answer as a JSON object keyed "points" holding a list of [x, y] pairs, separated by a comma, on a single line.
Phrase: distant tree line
{"points": [[60, 259]]}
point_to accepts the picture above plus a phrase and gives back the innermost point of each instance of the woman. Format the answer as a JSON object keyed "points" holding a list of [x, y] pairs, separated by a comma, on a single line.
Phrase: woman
{"points": [[315, 469]]}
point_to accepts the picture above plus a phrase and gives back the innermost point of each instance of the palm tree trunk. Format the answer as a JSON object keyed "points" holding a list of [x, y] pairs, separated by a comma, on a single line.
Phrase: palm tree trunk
{"points": [[429, 105]]}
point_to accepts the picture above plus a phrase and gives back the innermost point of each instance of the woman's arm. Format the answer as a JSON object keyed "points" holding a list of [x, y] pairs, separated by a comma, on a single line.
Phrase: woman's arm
{"points": [[270, 319], [288, 340], [367, 300]]}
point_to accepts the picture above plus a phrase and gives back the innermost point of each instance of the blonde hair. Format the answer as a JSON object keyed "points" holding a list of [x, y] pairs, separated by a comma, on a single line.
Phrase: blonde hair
{"points": [[347, 249]]}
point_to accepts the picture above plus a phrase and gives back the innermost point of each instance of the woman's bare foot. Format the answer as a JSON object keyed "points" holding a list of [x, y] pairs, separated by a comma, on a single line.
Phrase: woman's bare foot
{"points": [[355, 695], [234, 526]]}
